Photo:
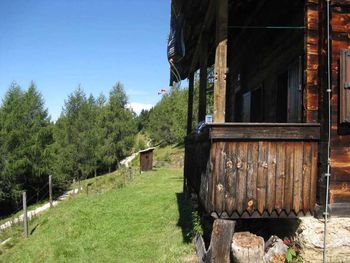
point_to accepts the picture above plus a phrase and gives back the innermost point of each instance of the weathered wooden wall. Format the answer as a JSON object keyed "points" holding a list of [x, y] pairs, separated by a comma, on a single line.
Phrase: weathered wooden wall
{"points": [[340, 145], [255, 171], [196, 155], [311, 61]]}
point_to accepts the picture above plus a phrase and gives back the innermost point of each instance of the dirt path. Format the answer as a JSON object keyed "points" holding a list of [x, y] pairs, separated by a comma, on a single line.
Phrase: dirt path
{"points": [[126, 162]]}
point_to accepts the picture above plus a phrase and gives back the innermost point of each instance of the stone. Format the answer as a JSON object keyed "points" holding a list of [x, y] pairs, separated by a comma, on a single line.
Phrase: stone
{"points": [[310, 236], [275, 250]]}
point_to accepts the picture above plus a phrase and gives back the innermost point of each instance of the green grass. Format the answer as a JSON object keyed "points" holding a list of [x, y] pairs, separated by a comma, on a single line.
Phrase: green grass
{"points": [[146, 221]]}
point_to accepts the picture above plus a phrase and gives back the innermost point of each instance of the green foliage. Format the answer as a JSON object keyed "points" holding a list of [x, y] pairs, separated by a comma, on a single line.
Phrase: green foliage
{"points": [[26, 136], [290, 254], [167, 120], [91, 135], [197, 225]]}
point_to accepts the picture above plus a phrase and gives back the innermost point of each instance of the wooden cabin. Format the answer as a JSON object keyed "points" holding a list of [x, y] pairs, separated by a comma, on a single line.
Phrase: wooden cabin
{"points": [[146, 159], [265, 154]]}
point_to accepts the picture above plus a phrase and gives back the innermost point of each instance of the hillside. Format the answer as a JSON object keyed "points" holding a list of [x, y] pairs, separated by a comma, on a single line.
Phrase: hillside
{"points": [[141, 222]]}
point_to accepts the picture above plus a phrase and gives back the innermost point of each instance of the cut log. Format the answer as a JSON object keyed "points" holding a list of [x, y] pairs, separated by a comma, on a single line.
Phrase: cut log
{"points": [[247, 248], [219, 249]]}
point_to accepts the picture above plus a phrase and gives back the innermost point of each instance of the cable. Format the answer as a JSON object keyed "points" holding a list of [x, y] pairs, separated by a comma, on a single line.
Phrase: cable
{"points": [[31, 198], [175, 72], [329, 90], [267, 27]]}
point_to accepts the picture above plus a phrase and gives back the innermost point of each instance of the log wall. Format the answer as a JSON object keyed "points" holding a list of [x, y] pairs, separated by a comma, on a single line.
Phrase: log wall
{"points": [[340, 146]]}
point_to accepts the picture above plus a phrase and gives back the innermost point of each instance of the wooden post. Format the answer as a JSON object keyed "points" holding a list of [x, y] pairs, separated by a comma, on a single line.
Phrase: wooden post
{"points": [[220, 243], [73, 186], [95, 175], [190, 103], [25, 216], [203, 78], [50, 190], [87, 189], [220, 60]]}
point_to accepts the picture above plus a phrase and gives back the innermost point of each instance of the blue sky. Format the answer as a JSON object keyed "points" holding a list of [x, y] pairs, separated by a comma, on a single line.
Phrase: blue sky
{"points": [[63, 43]]}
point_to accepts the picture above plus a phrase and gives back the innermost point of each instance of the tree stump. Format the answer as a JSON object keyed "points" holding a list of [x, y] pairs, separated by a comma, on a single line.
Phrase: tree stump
{"points": [[247, 248]]}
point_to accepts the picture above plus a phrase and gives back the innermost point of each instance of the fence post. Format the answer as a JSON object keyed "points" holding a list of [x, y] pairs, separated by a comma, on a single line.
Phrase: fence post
{"points": [[50, 190], [73, 193], [25, 216], [87, 189], [95, 174]]}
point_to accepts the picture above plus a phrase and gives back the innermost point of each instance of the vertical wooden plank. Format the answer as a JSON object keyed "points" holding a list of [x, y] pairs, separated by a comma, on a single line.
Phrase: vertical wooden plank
{"points": [[203, 78], [230, 177], [242, 176], [298, 180], [219, 174], [262, 176], [280, 175], [220, 60], [313, 175], [271, 177], [190, 103], [307, 176], [211, 178], [288, 187], [252, 173]]}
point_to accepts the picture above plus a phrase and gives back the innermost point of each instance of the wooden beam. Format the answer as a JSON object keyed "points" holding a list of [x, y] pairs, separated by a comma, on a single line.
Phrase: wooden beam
{"points": [[203, 78], [220, 60], [190, 103], [208, 20]]}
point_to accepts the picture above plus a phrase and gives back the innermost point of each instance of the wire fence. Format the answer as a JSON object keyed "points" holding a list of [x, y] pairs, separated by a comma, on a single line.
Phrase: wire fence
{"points": [[119, 179]]}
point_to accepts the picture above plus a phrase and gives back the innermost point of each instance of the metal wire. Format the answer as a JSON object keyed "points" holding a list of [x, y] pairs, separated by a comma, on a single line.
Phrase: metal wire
{"points": [[267, 27], [328, 174], [175, 72]]}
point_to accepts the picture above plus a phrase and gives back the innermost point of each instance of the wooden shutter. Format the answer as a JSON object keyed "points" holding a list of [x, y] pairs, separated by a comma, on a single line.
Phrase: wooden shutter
{"points": [[344, 87]]}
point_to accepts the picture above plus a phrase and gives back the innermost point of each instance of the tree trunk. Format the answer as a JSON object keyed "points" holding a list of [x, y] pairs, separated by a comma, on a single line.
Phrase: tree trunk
{"points": [[247, 248]]}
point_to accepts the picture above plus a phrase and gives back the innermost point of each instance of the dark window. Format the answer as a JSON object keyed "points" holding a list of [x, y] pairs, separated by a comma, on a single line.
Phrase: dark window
{"points": [[257, 112], [282, 98], [295, 92]]}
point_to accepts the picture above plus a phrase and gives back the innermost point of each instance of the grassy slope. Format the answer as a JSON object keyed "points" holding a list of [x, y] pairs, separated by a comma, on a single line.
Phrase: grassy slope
{"points": [[137, 223]]}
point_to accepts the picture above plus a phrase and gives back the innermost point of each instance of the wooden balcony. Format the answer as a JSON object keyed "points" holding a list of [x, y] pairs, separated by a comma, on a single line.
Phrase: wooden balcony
{"points": [[249, 170]]}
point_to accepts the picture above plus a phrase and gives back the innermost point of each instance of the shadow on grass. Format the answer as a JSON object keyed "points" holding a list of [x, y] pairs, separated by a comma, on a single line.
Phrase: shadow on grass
{"points": [[185, 217]]}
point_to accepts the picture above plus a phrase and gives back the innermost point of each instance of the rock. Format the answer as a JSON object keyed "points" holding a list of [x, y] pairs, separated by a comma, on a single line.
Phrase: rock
{"points": [[247, 247], [310, 237], [275, 250]]}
